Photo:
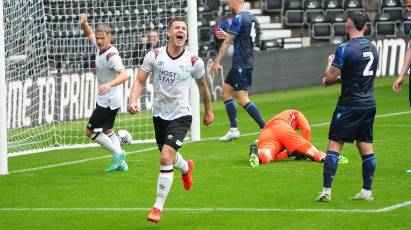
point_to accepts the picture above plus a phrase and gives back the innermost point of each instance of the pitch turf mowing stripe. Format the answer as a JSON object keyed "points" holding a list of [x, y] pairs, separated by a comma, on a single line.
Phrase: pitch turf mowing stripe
{"points": [[153, 148], [386, 209]]}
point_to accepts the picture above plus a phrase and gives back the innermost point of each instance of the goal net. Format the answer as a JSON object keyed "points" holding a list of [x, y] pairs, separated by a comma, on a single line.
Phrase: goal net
{"points": [[50, 75]]}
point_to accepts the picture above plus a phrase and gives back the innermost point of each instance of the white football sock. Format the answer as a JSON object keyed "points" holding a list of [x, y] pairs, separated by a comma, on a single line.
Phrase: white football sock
{"points": [[327, 191], [114, 138], [105, 142], [366, 192], [180, 163], [164, 182]]}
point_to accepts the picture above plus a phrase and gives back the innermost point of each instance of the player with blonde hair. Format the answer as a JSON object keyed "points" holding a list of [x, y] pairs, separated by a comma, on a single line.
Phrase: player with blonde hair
{"points": [[110, 74]]}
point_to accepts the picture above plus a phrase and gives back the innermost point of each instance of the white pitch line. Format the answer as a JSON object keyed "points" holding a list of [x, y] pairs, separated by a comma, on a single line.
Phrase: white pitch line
{"points": [[387, 209], [76, 162], [393, 207], [153, 148]]}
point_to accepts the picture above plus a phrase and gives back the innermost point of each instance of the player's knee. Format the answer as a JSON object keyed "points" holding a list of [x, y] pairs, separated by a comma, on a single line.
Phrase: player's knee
{"points": [[109, 132], [243, 101], [226, 95], [167, 155], [88, 133]]}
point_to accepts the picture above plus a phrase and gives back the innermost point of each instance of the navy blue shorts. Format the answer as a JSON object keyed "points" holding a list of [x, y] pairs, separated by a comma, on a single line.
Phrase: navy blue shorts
{"points": [[240, 78], [349, 124], [171, 133]]}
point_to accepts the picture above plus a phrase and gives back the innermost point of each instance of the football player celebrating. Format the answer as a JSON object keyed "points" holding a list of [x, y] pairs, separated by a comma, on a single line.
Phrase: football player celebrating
{"points": [[110, 73], [172, 68]]}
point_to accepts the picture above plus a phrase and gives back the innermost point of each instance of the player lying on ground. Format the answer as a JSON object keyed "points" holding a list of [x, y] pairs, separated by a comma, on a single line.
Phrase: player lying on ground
{"points": [[280, 134]]}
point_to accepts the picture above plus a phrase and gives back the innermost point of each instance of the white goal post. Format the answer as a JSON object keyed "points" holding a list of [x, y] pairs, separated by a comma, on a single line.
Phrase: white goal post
{"points": [[3, 118], [47, 80]]}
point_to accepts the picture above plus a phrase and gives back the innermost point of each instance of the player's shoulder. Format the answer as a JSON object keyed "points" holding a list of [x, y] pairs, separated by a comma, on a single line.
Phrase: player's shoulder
{"points": [[156, 52], [112, 52], [246, 13], [343, 45], [194, 58]]}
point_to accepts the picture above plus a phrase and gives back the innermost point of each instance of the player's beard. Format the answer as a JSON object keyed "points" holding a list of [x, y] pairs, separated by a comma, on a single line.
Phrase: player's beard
{"points": [[348, 37]]}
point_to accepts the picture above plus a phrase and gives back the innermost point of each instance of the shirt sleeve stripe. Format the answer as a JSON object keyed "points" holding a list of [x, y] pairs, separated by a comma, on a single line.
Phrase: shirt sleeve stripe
{"points": [[336, 65], [145, 69]]}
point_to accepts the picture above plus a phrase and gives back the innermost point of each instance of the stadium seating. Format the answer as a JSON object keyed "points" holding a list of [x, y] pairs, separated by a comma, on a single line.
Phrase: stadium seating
{"points": [[321, 31], [384, 26], [339, 29], [311, 14], [370, 31], [406, 24], [294, 13], [333, 4], [294, 18], [406, 28], [274, 5], [330, 14], [353, 4], [390, 3], [313, 4], [324, 19], [394, 12]]}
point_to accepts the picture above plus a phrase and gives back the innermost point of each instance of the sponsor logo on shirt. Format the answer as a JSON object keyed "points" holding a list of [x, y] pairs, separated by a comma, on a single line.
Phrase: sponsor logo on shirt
{"points": [[169, 78]]}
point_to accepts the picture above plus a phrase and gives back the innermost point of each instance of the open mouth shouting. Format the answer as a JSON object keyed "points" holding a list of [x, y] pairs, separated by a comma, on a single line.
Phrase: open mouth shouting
{"points": [[180, 38]]}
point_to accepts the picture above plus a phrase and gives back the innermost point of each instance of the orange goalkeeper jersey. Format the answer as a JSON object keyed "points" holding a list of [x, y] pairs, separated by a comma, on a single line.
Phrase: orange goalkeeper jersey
{"points": [[295, 119]]}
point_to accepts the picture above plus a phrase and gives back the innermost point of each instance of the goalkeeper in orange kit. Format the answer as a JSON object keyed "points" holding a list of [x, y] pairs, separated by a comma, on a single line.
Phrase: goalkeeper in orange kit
{"points": [[279, 134]]}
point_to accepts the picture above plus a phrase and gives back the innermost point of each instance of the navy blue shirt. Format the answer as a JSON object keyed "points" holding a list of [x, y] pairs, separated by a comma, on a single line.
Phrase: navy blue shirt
{"points": [[243, 27], [358, 61]]}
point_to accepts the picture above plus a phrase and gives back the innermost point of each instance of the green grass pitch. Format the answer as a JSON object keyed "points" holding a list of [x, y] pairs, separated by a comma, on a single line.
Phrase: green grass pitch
{"points": [[69, 189]]}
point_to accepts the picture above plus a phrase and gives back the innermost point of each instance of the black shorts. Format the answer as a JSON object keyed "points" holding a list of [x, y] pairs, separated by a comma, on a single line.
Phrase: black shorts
{"points": [[349, 124], [240, 78], [102, 119], [172, 132]]}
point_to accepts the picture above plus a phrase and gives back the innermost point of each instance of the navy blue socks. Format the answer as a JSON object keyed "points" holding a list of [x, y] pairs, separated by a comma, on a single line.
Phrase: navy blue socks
{"points": [[368, 170], [231, 112], [330, 167], [255, 114]]}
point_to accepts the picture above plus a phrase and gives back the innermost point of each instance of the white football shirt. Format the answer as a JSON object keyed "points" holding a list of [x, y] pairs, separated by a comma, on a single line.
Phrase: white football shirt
{"points": [[107, 65], [171, 81]]}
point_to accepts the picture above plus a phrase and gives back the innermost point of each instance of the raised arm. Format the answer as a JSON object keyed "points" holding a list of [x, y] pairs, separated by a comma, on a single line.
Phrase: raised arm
{"points": [[208, 116], [86, 27], [135, 92]]}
